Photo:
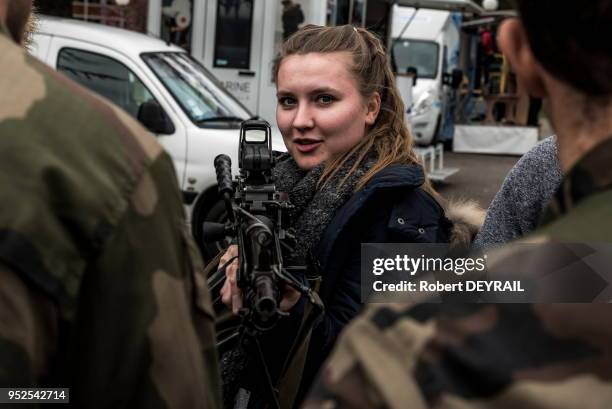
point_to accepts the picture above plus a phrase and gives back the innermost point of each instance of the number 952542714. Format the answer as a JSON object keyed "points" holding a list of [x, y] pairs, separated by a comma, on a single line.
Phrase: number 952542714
{"points": [[34, 395]]}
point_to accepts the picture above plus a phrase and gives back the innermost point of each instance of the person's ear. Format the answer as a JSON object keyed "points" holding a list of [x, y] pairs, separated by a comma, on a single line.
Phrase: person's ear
{"points": [[514, 44], [373, 108]]}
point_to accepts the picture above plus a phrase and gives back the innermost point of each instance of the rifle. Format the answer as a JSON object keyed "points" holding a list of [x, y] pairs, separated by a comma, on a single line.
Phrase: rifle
{"points": [[259, 222]]}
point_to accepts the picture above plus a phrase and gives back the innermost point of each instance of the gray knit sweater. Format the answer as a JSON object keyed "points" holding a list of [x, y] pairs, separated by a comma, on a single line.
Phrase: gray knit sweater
{"points": [[527, 189]]}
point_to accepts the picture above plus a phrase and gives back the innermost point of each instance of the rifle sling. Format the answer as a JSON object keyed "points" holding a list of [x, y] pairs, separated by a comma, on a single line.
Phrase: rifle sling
{"points": [[293, 368], [213, 264]]}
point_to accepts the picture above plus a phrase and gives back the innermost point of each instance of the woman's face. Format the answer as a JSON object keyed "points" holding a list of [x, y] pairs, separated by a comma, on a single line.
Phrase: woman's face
{"points": [[320, 111]]}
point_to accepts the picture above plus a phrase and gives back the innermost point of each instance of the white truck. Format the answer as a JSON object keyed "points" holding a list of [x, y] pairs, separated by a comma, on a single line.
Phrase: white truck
{"points": [[426, 42], [168, 91]]}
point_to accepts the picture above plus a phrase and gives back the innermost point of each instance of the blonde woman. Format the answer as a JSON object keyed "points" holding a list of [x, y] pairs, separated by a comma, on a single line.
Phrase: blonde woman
{"points": [[350, 171]]}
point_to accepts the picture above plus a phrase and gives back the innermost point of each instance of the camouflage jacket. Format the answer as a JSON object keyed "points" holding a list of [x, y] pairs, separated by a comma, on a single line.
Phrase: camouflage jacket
{"points": [[100, 285], [481, 356]]}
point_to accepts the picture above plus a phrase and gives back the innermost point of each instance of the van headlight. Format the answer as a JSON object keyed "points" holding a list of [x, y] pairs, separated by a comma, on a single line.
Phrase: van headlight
{"points": [[424, 104]]}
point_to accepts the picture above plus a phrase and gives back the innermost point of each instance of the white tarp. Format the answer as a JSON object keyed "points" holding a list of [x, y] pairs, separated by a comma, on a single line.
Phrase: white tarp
{"points": [[504, 140]]}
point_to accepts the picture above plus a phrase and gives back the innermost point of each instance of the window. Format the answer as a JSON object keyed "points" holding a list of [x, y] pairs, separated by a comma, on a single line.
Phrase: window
{"points": [[106, 76], [233, 34], [195, 90], [357, 19], [422, 55], [340, 12]]}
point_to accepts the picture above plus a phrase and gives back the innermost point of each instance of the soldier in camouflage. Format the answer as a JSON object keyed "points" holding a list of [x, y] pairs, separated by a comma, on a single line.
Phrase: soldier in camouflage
{"points": [[101, 287], [511, 355]]}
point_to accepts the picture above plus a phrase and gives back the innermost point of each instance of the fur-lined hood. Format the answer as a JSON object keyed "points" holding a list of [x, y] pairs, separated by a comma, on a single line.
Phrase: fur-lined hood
{"points": [[467, 217]]}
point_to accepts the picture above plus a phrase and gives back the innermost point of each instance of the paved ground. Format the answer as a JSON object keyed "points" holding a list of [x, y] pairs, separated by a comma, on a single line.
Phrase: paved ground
{"points": [[479, 177]]}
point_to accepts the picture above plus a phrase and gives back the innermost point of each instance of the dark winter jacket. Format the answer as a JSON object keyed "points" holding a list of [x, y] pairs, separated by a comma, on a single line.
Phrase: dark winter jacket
{"points": [[391, 208]]}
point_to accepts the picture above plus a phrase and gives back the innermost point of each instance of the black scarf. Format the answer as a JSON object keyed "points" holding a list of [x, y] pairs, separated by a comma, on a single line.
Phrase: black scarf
{"points": [[315, 208]]}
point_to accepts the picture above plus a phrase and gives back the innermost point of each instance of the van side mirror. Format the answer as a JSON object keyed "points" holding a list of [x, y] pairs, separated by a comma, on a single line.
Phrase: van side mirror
{"points": [[454, 79], [414, 73], [153, 117]]}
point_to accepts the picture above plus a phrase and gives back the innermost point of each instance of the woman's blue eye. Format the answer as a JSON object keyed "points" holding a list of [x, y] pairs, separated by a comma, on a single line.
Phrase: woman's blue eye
{"points": [[286, 101], [325, 99]]}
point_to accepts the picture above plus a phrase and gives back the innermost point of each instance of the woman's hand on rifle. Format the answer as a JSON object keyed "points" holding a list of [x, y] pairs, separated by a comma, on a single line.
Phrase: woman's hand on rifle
{"points": [[231, 294]]}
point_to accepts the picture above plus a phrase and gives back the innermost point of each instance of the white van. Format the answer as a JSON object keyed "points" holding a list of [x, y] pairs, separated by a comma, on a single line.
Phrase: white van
{"points": [[168, 91], [428, 41]]}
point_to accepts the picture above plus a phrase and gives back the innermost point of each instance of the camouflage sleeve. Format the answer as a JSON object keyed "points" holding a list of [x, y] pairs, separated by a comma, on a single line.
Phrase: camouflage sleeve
{"points": [[151, 327], [92, 217], [369, 369], [471, 356], [28, 331]]}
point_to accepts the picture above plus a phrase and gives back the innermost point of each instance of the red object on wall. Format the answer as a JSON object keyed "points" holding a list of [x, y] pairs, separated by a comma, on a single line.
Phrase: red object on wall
{"points": [[486, 40]]}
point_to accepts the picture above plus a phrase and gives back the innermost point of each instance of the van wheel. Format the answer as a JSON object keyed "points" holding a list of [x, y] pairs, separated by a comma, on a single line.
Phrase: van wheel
{"points": [[215, 212]]}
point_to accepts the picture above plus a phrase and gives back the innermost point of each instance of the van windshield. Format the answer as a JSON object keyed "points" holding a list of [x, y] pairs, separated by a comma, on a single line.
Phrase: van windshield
{"points": [[198, 93], [422, 55]]}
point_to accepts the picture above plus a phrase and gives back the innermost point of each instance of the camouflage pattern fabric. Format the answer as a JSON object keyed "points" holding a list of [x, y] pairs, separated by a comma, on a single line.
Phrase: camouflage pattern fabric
{"points": [[528, 356], [101, 287], [472, 356]]}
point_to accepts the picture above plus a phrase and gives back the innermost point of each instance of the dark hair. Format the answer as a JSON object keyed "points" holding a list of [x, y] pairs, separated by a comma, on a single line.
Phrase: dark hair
{"points": [[572, 40], [389, 137]]}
